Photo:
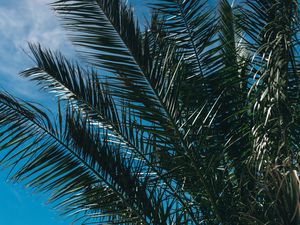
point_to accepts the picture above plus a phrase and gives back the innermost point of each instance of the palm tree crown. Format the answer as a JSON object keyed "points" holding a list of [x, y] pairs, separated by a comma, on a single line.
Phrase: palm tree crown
{"points": [[194, 119]]}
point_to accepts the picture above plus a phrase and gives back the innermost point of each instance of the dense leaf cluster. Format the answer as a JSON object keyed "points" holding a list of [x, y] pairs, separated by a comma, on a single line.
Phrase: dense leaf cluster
{"points": [[196, 119]]}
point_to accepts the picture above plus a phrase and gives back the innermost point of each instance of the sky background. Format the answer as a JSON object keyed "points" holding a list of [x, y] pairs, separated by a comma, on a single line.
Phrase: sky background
{"points": [[23, 21]]}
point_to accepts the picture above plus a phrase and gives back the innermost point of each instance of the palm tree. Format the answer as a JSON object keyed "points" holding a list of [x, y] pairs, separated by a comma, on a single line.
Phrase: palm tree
{"points": [[193, 119]]}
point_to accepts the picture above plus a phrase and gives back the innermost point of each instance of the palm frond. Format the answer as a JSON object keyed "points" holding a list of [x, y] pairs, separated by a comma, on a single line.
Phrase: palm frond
{"points": [[196, 120], [83, 90], [191, 25], [96, 22], [87, 175], [272, 27]]}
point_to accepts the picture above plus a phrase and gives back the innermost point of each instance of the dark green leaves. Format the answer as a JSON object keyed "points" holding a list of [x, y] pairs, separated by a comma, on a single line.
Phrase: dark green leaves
{"points": [[196, 120], [191, 25]]}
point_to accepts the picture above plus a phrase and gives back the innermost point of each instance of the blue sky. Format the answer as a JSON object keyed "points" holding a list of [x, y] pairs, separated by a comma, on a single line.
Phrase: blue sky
{"points": [[22, 22]]}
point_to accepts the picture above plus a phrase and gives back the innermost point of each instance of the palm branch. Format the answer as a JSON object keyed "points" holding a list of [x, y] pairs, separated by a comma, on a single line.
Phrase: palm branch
{"points": [[192, 120]]}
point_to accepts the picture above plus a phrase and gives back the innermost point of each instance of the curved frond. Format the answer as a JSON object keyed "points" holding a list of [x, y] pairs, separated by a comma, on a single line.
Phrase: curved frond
{"points": [[191, 25], [87, 175], [84, 90], [196, 120]]}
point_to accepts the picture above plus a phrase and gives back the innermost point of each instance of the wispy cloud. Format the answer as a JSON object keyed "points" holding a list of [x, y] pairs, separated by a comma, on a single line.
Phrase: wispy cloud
{"points": [[22, 22], [32, 20]]}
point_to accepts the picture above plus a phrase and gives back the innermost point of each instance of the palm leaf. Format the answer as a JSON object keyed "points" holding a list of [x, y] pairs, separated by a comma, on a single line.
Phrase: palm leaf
{"points": [[191, 25], [87, 175], [134, 82], [83, 89]]}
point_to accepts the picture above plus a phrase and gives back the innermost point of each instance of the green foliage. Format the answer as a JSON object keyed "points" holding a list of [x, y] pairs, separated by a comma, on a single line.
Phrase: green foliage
{"points": [[195, 122]]}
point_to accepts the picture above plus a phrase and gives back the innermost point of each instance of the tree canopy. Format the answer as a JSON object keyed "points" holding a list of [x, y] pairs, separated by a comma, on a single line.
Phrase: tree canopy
{"points": [[191, 118]]}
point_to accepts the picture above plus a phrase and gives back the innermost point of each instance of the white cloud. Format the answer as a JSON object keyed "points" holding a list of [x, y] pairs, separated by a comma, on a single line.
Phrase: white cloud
{"points": [[22, 22], [31, 21]]}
